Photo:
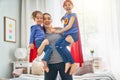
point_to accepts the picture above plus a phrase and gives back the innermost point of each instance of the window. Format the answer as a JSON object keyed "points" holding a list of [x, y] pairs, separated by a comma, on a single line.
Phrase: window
{"points": [[87, 16]]}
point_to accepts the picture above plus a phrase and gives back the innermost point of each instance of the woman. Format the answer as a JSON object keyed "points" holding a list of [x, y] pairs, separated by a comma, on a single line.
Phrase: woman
{"points": [[56, 63]]}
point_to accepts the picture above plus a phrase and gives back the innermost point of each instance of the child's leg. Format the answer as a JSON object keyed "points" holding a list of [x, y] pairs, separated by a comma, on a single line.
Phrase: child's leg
{"points": [[73, 68], [45, 67], [69, 39], [67, 66], [42, 46], [48, 50], [61, 52]]}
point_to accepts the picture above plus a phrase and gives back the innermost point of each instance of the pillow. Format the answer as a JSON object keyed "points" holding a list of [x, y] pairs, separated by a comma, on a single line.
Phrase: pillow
{"points": [[86, 68], [17, 72], [37, 68]]}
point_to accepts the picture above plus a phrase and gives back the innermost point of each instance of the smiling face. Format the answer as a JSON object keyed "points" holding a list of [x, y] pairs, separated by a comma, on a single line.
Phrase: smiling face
{"points": [[38, 18], [47, 20], [68, 7]]}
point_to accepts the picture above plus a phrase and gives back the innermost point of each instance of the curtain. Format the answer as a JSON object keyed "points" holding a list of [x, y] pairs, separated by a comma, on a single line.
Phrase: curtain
{"points": [[107, 42], [109, 48], [28, 6]]}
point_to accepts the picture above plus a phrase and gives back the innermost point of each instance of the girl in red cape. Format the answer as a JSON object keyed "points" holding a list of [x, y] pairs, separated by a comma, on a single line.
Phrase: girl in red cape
{"points": [[70, 37], [76, 50]]}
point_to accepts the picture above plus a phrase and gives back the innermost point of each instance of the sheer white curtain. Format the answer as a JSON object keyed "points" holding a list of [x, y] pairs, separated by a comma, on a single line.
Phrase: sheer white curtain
{"points": [[99, 30], [109, 48], [53, 7], [28, 6]]}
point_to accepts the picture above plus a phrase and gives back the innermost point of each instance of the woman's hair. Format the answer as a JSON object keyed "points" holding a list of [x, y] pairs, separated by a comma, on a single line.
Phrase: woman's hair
{"points": [[34, 13], [46, 14], [43, 19], [66, 2]]}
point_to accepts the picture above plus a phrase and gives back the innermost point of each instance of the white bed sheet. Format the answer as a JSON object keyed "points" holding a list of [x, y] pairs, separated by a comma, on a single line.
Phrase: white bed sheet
{"points": [[88, 76]]}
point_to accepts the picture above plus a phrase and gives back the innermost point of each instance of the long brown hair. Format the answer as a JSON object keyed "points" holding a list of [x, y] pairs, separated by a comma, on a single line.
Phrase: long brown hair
{"points": [[43, 19]]}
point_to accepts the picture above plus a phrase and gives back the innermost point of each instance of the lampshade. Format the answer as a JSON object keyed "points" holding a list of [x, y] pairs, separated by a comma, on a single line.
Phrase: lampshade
{"points": [[21, 53]]}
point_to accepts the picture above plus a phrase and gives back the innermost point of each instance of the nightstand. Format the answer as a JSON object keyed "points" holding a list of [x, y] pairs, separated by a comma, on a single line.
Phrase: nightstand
{"points": [[22, 64], [97, 64]]}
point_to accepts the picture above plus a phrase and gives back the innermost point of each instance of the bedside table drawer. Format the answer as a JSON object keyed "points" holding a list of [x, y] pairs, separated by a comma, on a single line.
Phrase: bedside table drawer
{"points": [[21, 64]]}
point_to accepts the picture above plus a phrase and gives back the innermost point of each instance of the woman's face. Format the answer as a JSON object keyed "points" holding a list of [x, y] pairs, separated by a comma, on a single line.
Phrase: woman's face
{"points": [[47, 20]]}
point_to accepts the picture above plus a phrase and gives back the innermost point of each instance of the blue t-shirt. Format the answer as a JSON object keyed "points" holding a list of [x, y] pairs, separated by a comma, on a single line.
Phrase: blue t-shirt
{"points": [[37, 32], [74, 27]]}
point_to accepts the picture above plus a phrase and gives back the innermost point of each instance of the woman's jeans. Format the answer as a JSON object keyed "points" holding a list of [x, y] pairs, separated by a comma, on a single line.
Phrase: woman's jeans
{"points": [[53, 72], [48, 49], [61, 46]]}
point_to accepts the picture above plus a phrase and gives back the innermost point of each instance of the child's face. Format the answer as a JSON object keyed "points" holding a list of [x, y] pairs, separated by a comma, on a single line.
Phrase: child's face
{"points": [[47, 20], [68, 7], [39, 18]]}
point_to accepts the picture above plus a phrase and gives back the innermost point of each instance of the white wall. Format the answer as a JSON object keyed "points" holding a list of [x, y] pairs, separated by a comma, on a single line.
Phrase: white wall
{"points": [[118, 15], [9, 8]]}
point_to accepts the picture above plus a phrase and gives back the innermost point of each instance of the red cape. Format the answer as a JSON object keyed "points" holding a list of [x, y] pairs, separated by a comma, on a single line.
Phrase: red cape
{"points": [[76, 49], [33, 54]]}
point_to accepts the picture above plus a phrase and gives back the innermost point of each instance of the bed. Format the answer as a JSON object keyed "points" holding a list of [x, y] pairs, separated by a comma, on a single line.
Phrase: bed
{"points": [[89, 76]]}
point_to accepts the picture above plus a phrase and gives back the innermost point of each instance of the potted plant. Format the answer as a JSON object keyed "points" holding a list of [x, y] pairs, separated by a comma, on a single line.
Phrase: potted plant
{"points": [[92, 52]]}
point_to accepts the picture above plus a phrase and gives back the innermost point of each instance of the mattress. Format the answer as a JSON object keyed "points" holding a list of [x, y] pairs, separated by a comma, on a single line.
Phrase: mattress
{"points": [[88, 76], [95, 76]]}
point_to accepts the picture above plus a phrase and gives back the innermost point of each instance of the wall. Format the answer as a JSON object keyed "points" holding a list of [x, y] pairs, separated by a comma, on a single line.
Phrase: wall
{"points": [[9, 8], [118, 16]]}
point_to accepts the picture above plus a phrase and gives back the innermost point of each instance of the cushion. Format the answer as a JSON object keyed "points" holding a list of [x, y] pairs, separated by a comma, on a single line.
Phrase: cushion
{"points": [[86, 68], [18, 72], [37, 68]]}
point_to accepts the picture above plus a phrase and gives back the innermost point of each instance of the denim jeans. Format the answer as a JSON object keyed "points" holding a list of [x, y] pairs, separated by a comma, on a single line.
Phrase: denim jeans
{"points": [[61, 46], [48, 50], [53, 71]]}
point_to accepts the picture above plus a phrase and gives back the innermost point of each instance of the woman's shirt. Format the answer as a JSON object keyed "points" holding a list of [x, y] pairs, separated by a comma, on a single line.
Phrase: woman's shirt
{"points": [[55, 56], [37, 33]]}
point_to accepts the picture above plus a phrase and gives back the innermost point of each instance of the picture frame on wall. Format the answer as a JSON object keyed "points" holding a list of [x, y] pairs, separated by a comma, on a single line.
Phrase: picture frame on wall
{"points": [[9, 29]]}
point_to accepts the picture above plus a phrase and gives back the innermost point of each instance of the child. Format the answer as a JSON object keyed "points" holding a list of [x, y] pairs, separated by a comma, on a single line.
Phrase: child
{"points": [[38, 36], [70, 35]]}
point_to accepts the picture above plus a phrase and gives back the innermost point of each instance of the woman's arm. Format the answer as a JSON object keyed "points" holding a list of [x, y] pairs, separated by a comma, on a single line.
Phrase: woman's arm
{"points": [[42, 46]]}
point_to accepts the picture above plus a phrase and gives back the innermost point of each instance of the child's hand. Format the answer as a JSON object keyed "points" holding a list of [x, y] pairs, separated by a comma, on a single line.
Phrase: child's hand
{"points": [[31, 46], [56, 31], [53, 30]]}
